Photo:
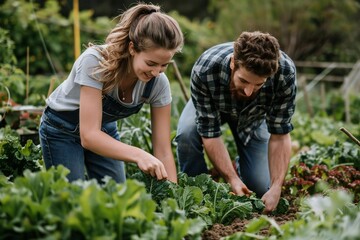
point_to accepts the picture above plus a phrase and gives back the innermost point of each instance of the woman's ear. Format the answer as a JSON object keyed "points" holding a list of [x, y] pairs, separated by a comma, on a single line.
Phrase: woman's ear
{"points": [[131, 48]]}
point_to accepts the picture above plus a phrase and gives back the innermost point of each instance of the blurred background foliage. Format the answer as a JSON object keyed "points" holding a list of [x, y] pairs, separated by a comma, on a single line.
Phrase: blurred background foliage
{"points": [[321, 30], [37, 44]]}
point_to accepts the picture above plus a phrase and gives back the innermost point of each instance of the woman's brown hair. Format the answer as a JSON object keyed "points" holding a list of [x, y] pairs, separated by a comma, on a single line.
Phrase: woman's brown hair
{"points": [[146, 27]]}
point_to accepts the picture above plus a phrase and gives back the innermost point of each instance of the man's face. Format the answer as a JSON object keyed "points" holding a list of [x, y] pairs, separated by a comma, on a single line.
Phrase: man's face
{"points": [[244, 85]]}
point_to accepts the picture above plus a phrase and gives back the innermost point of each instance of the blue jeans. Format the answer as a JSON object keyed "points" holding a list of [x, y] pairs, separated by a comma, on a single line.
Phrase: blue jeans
{"points": [[252, 160], [60, 144]]}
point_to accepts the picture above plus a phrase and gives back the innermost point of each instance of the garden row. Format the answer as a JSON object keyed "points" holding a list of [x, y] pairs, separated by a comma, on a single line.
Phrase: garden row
{"points": [[38, 204]]}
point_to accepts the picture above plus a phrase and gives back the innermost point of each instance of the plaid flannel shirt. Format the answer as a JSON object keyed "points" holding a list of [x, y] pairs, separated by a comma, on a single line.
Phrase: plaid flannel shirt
{"points": [[275, 102]]}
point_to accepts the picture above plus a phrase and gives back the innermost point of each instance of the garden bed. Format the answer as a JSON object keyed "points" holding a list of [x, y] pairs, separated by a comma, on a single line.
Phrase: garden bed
{"points": [[321, 193], [217, 231]]}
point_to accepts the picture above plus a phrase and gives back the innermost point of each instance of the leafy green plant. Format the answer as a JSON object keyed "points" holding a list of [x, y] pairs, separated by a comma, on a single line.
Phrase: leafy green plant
{"points": [[178, 224], [336, 106], [202, 197], [330, 217], [14, 79], [15, 158], [136, 130], [335, 154], [45, 205], [47, 34], [323, 131], [6, 48]]}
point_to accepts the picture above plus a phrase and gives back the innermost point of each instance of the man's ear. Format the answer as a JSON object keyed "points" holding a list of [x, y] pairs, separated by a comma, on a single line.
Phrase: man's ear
{"points": [[232, 64]]}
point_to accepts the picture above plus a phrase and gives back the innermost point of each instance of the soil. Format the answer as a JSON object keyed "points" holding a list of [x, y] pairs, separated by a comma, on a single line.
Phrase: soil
{"points": [[342, 177], [217, 231]]}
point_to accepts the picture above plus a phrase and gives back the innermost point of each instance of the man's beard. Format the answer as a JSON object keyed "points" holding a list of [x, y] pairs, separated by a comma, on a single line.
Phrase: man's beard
{"points": [[241, 96], [238, 97]]}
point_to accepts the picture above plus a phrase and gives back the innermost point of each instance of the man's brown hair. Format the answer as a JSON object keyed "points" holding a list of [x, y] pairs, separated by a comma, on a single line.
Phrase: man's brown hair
{"points": [[257, 52]]}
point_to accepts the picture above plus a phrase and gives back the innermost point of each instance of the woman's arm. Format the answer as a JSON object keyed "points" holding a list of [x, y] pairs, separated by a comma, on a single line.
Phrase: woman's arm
{"points": [[93, 139], [161, 139]]}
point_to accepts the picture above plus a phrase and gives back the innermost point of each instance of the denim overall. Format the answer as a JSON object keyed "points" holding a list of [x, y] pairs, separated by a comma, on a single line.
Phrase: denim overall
{"points": [[61, 144]]}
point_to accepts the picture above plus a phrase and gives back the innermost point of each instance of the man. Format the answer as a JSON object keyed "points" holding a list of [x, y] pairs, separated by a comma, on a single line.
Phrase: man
{"points": [[251, 85]]}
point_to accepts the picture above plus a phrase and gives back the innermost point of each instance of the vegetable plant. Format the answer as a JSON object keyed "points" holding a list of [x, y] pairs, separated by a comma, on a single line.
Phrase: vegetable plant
{"points": [[15, 158]]}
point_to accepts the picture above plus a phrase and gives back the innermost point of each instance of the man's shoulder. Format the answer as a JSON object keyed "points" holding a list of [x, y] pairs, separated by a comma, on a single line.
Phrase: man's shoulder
{"points": [[215, 58], [286, 64], [219, 51]]}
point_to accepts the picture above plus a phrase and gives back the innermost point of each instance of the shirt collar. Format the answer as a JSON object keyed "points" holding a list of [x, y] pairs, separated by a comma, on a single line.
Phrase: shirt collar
{"points": [[225, 73]]}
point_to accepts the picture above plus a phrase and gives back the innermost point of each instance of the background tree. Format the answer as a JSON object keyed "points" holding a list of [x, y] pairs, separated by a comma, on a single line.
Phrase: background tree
{"points": [[324, 30]]}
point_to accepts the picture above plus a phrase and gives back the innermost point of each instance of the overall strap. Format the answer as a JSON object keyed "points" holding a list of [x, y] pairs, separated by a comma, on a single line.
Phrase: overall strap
{"points": [[148, 88]]}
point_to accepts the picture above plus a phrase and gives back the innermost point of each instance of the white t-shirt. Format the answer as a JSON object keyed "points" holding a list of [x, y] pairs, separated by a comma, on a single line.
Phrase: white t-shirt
{"points": [[66, 97]]}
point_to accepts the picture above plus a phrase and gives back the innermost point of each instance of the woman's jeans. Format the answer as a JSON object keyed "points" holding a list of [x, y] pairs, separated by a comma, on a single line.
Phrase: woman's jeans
{"points": [[60, 143], [251, 163]]}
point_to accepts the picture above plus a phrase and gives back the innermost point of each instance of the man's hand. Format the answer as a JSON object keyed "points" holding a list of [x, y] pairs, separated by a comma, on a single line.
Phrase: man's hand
{"points": [[271, 199], [220, 158], [239, 188], [279, 158]]}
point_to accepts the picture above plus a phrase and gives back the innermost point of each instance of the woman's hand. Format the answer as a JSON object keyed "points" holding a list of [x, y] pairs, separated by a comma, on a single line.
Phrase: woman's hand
{"points": [[153, 166]]}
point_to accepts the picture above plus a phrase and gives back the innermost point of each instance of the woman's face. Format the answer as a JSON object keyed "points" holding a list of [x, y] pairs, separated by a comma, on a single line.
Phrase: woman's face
{"points": [[150, 63]]}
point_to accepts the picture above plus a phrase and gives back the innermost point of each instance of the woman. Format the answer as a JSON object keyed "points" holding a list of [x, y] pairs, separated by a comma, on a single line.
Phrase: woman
{"points": [[108, 82]]}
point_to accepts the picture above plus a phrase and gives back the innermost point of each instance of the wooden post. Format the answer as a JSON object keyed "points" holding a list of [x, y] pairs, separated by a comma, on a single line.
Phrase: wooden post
{"points": [[347, 108], [27, 75], [322, 95], [306, 96], [180, 80], [51, 87], [350, 86], [76, 29]]}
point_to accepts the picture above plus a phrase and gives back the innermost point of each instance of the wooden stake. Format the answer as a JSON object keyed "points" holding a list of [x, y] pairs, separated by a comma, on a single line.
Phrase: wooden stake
{"points": [[51, 87], [76, 29], [323, 96], [350, 135], [179, 78], [308, 104], [27, 75]]}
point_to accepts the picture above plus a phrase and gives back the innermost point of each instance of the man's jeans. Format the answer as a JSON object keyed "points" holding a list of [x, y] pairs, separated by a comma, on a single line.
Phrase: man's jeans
{"points": [[252, 162], [60, 143]]}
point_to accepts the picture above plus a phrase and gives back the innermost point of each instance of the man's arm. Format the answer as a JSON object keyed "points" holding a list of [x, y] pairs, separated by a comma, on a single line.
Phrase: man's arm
{"points": [[220, 158], [279, 158]]}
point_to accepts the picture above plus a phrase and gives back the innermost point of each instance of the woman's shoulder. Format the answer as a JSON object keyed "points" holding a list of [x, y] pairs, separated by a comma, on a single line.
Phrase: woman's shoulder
{"points": [[94, 50], [161, 80], [89, 58]]}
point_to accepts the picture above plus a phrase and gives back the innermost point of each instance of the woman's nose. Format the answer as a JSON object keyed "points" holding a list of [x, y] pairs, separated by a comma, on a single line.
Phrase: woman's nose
{"points": [[156, 71]]}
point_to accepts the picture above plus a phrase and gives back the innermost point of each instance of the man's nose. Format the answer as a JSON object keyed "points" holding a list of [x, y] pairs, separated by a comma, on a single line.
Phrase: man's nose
{"points": [[249, 90]]}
